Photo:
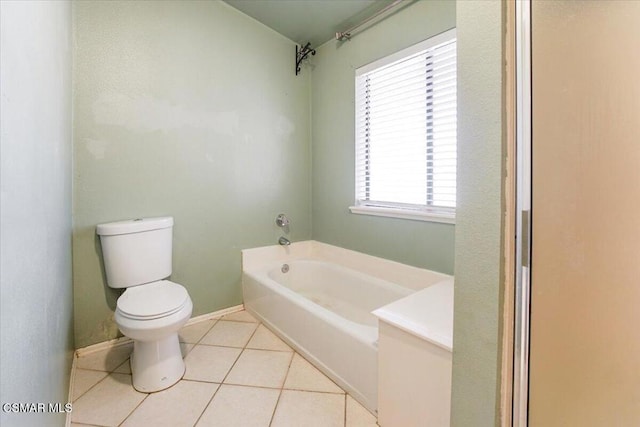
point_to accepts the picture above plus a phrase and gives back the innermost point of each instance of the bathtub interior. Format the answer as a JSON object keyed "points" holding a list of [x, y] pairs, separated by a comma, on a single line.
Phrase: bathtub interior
{"points": [[348, 293], [255, 259]]}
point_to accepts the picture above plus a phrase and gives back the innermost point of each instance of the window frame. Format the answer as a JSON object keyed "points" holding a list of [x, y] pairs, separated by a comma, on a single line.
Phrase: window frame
{"points": [[395, 209]]}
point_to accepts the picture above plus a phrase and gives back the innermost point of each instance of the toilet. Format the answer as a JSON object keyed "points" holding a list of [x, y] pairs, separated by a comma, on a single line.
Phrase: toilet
{"points": [[137, 256]]}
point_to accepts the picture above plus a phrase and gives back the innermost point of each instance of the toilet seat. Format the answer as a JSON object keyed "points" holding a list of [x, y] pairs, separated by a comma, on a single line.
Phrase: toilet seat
{"points": [[152, 300]]}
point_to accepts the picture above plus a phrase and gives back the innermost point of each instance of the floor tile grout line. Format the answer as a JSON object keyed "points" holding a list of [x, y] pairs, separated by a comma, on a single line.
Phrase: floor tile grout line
{"points": [[91, 425], [305, 359], [128, 359], [314, 391], [235, 385], [105, 370], [266, 387], [87, 390], [102, 370], [221, 383], [275, 408], [98, 382], [187, 351], [342, 391], [239, 355], [215, 322], [134, 409], [284, 381], [226, 375], [290, 349], [345, 410], [207, 405], [248, 348], [243, 346], [238, 321]]}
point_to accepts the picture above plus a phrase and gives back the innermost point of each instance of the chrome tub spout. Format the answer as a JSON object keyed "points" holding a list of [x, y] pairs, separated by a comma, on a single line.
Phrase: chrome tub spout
{"points": [[284, 241]]}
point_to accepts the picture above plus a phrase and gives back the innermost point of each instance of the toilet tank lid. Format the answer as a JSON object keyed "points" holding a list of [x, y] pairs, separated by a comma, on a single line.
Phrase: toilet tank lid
{"points": [[134, 226]]}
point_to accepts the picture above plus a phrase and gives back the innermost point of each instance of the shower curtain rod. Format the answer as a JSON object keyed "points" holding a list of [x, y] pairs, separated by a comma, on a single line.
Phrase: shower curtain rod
{"points": [[346, 35]]}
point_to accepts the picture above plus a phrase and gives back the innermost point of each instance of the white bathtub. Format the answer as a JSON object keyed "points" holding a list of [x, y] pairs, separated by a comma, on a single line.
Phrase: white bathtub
{"points": [[322, 305]]}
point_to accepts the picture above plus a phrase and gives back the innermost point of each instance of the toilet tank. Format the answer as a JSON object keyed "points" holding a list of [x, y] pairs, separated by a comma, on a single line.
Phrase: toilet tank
{"points": [[136, 251]]}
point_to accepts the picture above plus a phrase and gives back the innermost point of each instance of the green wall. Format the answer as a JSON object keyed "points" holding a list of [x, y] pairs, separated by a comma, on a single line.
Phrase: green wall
{"points": [[188, 109], [423, 244], [36, 301], [478, 229], [477, 309]]}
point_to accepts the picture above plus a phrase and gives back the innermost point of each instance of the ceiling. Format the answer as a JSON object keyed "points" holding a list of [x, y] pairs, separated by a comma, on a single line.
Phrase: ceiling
{"points": [[314, 21]]}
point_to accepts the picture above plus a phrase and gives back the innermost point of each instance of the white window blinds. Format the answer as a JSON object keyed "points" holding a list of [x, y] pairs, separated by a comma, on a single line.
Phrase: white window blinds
{"points": [[406, 129]]}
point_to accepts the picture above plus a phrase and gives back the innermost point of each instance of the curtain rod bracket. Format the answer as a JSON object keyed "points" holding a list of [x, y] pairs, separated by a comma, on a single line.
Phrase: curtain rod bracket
{"points": [[302, 53], [346, 35], [343, 36]]}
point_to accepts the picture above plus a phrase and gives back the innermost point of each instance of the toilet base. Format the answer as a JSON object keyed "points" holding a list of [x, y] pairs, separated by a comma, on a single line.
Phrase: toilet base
{"points": [[156, 365]]}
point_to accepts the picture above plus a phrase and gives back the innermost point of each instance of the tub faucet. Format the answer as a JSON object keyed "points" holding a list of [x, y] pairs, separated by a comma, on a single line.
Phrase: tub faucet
{"points": [[284, 241], [282, 220]]}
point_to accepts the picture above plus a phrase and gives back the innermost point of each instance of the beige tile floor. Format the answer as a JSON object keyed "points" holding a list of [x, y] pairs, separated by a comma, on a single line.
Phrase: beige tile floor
{"points": [[238, 374]]}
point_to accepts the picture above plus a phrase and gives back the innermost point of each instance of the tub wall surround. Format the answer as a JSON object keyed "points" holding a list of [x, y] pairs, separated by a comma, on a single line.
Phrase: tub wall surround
{"points": [[422, 244], [319, 299], [35, 209], [188, 109]]}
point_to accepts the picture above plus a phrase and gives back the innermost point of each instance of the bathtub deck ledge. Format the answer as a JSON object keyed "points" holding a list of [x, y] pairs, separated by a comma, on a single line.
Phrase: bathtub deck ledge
{"points": [[426, 314]]}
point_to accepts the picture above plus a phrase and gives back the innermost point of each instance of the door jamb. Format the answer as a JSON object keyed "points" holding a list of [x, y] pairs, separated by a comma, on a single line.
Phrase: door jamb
{"points": [[514, 385]]}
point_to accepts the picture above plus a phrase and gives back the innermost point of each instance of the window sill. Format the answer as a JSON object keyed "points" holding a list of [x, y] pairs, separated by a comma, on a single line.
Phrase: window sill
{"points": [[403, 214]]}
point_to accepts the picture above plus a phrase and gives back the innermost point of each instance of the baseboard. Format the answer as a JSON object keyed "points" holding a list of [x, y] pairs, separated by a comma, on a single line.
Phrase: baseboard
{"points": [[124, 340], [104, 345], [215, 314]]}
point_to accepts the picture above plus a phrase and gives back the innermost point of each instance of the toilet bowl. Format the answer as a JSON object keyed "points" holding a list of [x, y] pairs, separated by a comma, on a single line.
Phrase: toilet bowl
{"points": [[151, 311], [151, 315]]}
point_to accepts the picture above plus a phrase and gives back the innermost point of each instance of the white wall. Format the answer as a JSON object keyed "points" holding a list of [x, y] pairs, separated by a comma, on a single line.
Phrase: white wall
{"points": [[35, 269]]}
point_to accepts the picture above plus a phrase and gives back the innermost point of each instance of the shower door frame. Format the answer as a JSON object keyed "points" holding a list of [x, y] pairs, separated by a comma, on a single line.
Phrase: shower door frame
{"points": [[518, 308]]}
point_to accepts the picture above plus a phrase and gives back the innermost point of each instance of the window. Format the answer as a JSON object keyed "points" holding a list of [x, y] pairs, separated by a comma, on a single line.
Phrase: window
{"points": [[406, 133]]}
